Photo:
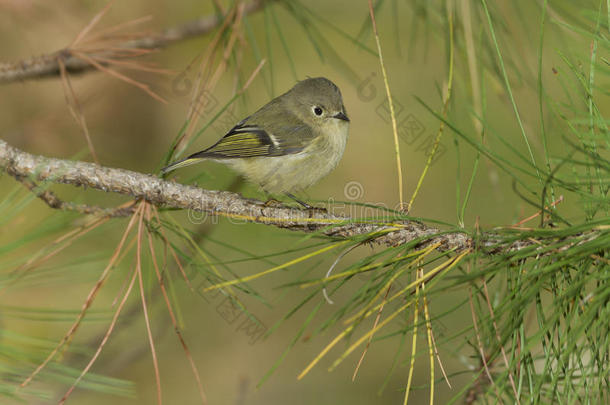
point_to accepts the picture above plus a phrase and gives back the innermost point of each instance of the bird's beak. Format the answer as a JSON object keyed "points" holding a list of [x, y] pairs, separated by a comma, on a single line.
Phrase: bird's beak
{"points": [[341, 115]]}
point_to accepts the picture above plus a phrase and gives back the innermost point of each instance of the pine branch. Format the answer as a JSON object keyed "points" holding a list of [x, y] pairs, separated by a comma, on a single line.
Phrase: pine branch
{"points": [[163, 193], [47, 65], [223, 203]]}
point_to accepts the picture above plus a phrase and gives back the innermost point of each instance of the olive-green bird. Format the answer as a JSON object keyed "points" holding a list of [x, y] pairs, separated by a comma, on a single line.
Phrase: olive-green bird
{"points": [[287, 145]]}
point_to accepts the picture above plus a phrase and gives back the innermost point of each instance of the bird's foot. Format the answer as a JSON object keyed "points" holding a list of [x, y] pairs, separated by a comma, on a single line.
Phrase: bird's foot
{"points": [[272, 202]]}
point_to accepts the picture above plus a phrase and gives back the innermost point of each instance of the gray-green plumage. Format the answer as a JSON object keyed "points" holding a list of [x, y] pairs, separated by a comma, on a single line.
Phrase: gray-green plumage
{"points": [[288, 144]]}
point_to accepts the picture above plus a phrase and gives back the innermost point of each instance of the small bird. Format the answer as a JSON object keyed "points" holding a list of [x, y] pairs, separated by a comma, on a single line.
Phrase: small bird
{"points": [[287, 145]]}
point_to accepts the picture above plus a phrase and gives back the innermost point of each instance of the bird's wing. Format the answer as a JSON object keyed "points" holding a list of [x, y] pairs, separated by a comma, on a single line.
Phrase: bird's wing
{"points": [[268, 132]]}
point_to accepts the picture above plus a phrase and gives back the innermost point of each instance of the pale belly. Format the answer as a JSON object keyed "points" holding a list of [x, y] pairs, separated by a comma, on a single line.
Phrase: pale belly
{"points": [[291, 173]]}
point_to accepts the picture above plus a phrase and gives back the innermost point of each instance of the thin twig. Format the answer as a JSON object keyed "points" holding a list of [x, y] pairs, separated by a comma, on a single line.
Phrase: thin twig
{"points": [[47, 65]]}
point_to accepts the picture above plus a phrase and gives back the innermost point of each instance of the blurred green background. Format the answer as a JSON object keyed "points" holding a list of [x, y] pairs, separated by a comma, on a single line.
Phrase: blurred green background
{"points": [[131, 130]]}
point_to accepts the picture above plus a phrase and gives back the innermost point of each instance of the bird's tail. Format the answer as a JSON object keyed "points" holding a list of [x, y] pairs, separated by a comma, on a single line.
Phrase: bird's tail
{"points": [[181, 163]]}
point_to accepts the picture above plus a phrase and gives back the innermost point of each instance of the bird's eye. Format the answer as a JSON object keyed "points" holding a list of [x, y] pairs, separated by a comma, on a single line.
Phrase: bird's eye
{"points": [[317, 110]]}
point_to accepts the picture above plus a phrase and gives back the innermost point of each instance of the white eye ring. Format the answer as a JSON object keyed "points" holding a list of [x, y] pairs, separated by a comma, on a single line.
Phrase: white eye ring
{"points": [[317, 110]]}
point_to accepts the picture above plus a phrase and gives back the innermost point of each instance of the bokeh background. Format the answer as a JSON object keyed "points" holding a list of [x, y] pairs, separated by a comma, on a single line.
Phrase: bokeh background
{"points": [[131, 130]]}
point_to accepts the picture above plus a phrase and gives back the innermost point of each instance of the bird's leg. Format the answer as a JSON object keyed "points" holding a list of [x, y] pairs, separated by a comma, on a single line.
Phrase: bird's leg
{"points": [[271, 202], [304, 204]]}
